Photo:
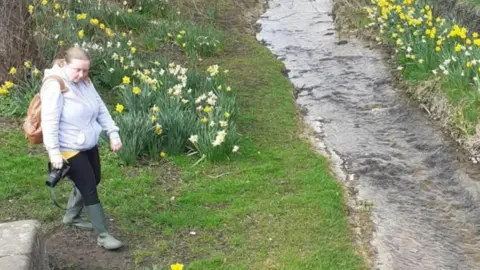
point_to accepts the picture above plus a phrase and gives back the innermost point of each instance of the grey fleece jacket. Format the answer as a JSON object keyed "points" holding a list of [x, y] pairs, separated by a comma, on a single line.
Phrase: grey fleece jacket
{"points": [[73, 121]]}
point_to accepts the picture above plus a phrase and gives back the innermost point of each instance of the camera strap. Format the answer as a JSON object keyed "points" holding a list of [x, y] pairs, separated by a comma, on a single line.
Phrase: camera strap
{"points": [[54, 200], [53, 197]]}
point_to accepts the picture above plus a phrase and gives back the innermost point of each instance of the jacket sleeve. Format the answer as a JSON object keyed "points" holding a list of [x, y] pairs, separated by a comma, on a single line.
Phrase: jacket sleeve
{"points": [[105, 119], [52, 106]]}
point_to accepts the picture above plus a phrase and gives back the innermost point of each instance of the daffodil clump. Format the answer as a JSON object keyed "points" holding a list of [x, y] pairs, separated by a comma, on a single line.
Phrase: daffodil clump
{"points": [[104, 29], [186, 35], [107, 30], [18, 89], [164, 108], [178, 110], [427, 45]]}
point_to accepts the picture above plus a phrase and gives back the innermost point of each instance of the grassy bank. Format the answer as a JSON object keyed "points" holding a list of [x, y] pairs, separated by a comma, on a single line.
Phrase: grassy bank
{"points": [[434, 54], [273, 206]]}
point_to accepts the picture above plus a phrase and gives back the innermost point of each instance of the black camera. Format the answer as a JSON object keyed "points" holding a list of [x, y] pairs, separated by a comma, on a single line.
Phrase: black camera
{"points": [[55, 175]]}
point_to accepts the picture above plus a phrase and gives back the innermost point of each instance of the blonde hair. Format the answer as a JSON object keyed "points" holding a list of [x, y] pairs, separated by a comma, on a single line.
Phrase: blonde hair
{"points": [[71, 53]]}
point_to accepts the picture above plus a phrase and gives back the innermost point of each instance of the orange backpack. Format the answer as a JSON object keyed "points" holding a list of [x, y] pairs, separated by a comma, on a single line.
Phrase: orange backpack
{"points": [[32, 123]]}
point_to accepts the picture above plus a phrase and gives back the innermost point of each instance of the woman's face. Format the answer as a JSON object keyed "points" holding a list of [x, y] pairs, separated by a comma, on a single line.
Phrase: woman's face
{"points": [[77, 69]]}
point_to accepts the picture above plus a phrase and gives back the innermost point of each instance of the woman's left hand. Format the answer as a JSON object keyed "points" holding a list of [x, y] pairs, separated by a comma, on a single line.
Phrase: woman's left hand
{"points": [[115, 144]]}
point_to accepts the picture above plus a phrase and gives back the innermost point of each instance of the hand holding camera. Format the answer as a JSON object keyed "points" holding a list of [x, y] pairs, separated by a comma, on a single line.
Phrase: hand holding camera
{"points": [[55, 175], [57, 169], [56, 161]]}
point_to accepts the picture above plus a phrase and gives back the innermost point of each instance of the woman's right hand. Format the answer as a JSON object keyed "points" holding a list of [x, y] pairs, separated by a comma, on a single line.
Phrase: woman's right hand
{"points": [[56, 161]]}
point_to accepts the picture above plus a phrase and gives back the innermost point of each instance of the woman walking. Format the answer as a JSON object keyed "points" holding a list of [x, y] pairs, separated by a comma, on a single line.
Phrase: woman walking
{"points": [[72, 119]]}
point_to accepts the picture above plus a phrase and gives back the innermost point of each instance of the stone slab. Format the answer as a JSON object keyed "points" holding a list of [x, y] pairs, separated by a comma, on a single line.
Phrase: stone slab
{"points": [[22, 246]]}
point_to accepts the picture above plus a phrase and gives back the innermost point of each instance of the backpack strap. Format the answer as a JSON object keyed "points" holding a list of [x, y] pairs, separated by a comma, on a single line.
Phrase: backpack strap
{"points": [[59, 79]]}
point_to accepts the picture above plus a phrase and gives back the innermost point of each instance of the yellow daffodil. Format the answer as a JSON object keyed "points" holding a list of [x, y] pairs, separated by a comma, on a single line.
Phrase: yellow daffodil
{"points": [[3, 90], [158, 129], [126, 80], [12, 71], [458, 47], [109, 32], [176, 266], [458, 31], [8, 84], [81, 17], [136, 90], [36, 72], [119, 108], [27, 64]]}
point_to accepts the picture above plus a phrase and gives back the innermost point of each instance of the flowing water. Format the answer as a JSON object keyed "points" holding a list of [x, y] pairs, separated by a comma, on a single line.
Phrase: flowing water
{"points": [[426, 213]]}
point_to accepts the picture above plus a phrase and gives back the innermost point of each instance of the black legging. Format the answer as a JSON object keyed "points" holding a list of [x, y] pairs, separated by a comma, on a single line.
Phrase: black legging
{"points": [[85, 173]]}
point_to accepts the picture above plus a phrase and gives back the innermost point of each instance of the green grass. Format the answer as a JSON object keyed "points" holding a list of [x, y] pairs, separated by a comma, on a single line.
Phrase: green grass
{"points": [[278, 189], [274, 206], [476, 2]]}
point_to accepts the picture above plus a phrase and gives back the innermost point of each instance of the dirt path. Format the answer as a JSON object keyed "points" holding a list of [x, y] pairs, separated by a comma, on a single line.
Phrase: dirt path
{"points": [[71, 248]]}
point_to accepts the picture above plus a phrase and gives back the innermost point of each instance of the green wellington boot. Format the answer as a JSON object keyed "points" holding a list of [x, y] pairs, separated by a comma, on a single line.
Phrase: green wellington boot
{"points": [[99, 222], [74, 209]]}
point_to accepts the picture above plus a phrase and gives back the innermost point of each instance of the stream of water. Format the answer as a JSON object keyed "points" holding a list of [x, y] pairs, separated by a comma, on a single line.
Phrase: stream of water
{"points": [[426, 213]]}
